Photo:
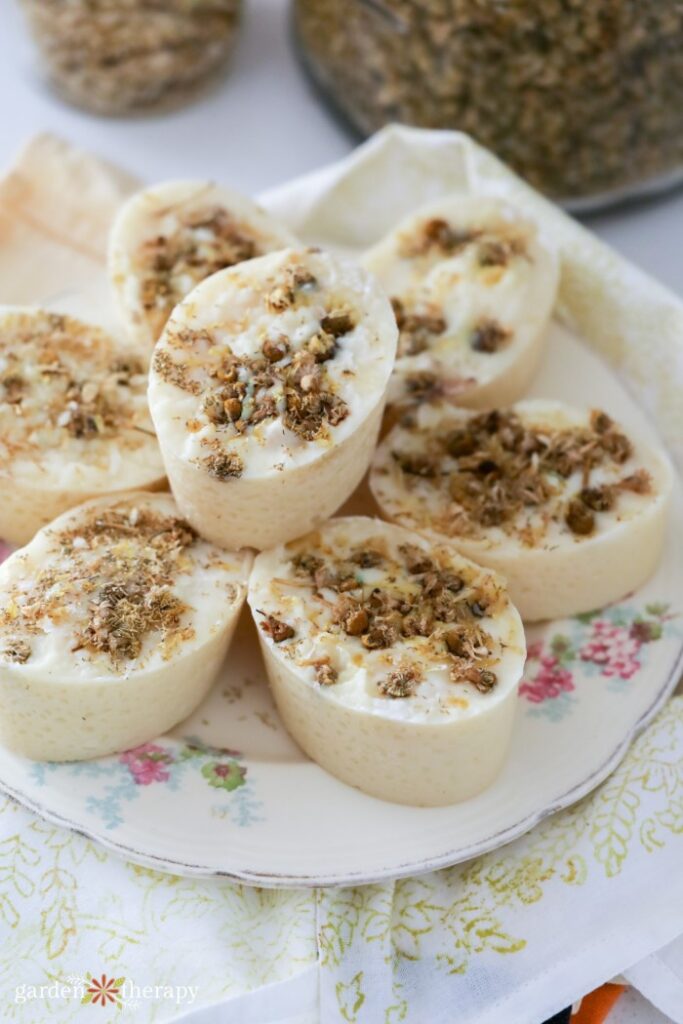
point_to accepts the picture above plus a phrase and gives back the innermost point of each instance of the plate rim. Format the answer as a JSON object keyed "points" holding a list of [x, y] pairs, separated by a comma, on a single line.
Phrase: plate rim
{"points": [[267, 880]]}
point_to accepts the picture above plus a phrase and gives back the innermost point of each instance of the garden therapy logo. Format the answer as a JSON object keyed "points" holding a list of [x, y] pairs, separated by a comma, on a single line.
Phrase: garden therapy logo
{"points": [[103, 990]]}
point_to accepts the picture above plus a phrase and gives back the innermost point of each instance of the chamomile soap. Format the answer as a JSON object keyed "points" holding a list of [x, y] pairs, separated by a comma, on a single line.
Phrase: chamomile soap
{"points": [[74, 419], [473, 285], [267, 390], [169, 237], [114, 621], [565, 503], [394, 662]]}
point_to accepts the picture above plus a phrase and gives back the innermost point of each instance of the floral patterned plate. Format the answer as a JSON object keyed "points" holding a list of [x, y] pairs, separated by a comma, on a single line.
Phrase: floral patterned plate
{"points": [[229, 793]]}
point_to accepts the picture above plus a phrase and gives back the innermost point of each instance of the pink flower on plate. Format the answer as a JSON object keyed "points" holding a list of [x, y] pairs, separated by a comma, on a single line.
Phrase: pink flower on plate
{"points": [[614, 648], [534, 650], [147, 763], [5, 551], [550, 680]]}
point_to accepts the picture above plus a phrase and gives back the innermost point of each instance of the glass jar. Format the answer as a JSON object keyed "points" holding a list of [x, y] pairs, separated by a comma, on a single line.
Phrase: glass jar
{"points": [[582, 97], [115, 56]]}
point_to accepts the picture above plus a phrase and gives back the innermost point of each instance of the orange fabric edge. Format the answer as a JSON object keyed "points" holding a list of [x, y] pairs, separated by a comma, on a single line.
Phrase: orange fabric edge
{"points": [[596, 1005]]}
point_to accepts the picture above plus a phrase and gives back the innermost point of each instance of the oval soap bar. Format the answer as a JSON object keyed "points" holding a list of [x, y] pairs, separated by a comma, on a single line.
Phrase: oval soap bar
{"points": [[114, 621], [169, 237], [267, 390], [562, 501], [473, 286], [74, 420], [394, 663]]}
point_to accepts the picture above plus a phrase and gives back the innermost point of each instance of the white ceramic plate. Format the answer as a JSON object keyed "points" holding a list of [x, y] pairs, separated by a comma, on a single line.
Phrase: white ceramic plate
{"points": [[229, 793]]}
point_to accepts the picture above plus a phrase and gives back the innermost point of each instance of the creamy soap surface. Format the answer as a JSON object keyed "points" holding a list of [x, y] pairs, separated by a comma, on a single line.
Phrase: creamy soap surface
{"points": [[474, 284], [276, 588], [114, 621], [236, 317], [73, 408], [426, 503], [169, 237], [68, 577], [394, 662], [566, 505]]}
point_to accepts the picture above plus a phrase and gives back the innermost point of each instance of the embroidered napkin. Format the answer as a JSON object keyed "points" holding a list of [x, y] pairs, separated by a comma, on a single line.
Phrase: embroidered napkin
{"points": [[513, 936]]}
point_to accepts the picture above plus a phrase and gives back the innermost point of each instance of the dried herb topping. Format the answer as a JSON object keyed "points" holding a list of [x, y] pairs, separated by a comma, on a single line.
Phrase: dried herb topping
{"points": [[497, 470], [610, 71], [61, 381], [440, 239], [285, 378], [421, 322], [205, 240], [112, 58], [407, 604], [112, 582]]}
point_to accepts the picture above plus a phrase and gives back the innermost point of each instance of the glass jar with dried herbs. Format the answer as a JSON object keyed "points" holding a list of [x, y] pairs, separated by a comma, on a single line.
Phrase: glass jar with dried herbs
{"points": [[115, 56], [583, 98]]}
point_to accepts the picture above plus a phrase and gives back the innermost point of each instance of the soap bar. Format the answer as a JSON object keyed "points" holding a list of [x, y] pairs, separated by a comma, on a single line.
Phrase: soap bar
{"points": [[564, 502], [169, 237], [74, 420], [267, 390], [473, 286], [394, 662], [114, 621]]}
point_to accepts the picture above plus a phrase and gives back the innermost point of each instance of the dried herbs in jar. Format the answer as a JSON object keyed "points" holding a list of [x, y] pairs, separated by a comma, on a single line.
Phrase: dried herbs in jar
{"points": [[581, 98], [115, 56]]}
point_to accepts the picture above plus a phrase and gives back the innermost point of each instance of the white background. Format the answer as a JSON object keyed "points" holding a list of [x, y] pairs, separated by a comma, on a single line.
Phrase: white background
{"points": [[259, 127]]}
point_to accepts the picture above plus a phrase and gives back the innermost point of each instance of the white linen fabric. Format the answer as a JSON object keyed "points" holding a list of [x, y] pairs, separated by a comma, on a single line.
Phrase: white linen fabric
{"points": [[660, 978]]}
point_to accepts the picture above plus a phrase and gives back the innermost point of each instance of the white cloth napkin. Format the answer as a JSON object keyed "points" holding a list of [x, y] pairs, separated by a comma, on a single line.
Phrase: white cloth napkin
{"points": [[660, 976]]}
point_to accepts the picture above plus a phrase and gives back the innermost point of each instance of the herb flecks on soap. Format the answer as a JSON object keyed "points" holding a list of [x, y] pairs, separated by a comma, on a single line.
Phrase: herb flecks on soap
{"points": [[223, 465], [417, 330], [400, 684], [488, 336], [205, 240], [404, 603], [114, 587], [284, 378], [17, 651], [276, 629], [63, 386], [497, 470]]}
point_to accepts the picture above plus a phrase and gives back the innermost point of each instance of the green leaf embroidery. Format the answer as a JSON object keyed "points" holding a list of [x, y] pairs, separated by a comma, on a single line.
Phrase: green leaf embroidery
{"points": [[350, 997], [614, 826], [58, 924], [396, 1013]]}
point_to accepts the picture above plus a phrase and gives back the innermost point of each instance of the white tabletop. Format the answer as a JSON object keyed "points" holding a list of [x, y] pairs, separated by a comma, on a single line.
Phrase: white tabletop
{"points": [[261, 126]]}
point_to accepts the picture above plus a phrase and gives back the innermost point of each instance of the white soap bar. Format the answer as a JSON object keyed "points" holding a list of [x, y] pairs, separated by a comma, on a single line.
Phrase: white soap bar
{"points": [[394, 663], [473, 286], [74, 420], [168, 238], [114, 621], [267, 390], [560, 500]]}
